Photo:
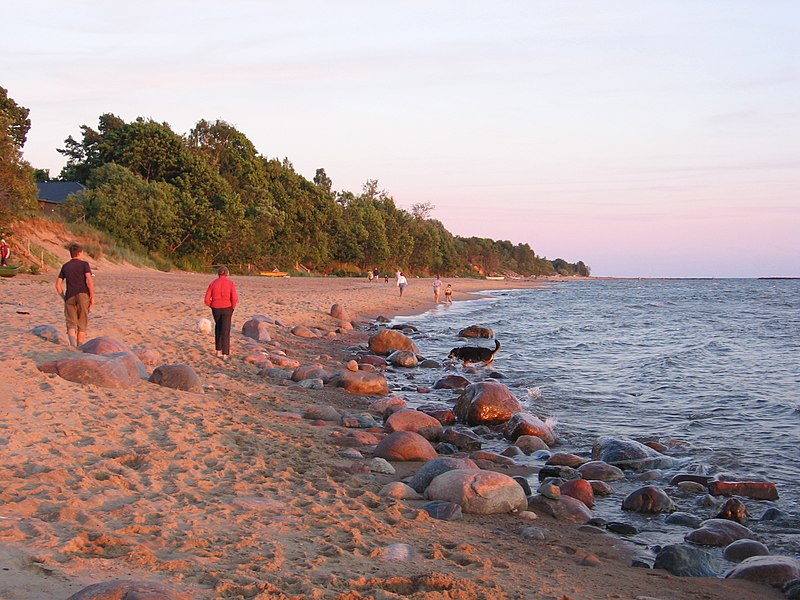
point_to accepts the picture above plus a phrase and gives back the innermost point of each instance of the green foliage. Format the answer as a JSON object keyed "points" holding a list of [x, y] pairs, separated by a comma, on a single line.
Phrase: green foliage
{"points": [[18, 191]]}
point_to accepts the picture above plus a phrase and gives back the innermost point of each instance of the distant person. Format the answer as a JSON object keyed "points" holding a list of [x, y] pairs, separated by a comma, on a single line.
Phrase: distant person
{"points": [[376, 272], [448, 294], [370, 276], [78, 295], [386, 278], [221, 296], [437, 289], [402, 282], [5, 252]]}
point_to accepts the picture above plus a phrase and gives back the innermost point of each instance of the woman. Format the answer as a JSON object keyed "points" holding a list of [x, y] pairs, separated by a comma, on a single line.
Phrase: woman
{"points": [[221, 296], [402, 282]]}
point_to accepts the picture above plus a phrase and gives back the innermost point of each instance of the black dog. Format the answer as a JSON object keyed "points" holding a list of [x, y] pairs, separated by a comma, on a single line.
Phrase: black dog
{"points": [[474, 354]]}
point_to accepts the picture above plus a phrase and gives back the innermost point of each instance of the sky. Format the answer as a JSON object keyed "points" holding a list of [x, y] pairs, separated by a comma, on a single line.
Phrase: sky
{"points": [[654, 138]]}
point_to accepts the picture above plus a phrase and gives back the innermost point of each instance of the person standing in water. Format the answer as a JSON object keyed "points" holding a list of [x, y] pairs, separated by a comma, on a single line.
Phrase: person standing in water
{"points": [[448, 294], [78, 294], [221, 296], [437, 289]]}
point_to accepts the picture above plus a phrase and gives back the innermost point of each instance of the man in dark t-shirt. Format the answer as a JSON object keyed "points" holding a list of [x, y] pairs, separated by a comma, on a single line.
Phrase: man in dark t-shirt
{"points": [[78, 295]]}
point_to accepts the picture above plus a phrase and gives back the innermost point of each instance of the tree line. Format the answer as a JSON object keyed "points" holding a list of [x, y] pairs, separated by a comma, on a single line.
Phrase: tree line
{"points": [[209, 197]]}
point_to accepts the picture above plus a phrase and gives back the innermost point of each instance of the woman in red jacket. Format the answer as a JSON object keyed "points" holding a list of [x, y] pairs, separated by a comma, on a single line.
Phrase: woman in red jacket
{"points": [[221, 296]]}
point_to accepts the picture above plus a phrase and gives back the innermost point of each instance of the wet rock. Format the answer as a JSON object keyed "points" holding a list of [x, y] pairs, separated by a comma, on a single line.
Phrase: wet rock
{"points": [[405, 446], [530, 444], [791, 589], [312, 372], [580, 489], [387, 341], [718, 532], [373, 360], [600, 471], [733, 510], [403, 358], [362, 382], [683, 560], [626, 453], [684, 519], [772, 570], [177, 377], [478, 492], [408, 419], [563, 509], [566, 459], [601, 488], [524, 484], [740, 549], [521, 423], [491, 457], [442, 510], [386, 406], [429, 363], [776, 514], [433, 468], [461, 437], [681, 477], [451, 382], [476, 331], [486, 402], [443, 414], [648, 499], [558, 472], [621, 528], [549, 489], [512, 451], [757, 490]]}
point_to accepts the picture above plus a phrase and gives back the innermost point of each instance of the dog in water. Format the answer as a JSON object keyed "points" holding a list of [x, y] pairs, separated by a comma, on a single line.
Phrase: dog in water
{"points": [[475, 354]]}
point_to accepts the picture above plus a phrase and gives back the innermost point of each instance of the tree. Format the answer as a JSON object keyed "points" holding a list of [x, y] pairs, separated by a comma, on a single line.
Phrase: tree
{"points": [[322, 181], [422, 210], [18, 124], [18, 191]]}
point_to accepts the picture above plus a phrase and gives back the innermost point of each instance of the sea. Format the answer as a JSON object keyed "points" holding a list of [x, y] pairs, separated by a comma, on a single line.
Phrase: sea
{"points": [[708, 367]]}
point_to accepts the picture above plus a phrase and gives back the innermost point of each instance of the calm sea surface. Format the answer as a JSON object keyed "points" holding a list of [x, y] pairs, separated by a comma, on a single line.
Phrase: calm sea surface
{"points": [[709, 367]]}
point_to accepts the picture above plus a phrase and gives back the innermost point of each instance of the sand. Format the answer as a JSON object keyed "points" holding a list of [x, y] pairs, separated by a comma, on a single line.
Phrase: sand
{"points": [[231, 493]]}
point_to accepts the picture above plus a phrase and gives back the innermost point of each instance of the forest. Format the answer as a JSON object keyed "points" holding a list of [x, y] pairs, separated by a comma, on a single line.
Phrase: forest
{"points": [[209, 197]]}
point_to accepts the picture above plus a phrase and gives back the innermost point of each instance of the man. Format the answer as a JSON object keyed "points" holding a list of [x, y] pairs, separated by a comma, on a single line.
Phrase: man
{"points": [[78, 295]]}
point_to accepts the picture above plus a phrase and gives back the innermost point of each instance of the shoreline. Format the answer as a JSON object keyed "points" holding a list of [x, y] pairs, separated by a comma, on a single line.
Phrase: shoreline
{"points": [[232, 493]]}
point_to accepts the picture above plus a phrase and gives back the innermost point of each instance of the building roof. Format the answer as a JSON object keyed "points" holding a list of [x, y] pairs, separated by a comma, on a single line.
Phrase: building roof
{"points": [[56, 192]]}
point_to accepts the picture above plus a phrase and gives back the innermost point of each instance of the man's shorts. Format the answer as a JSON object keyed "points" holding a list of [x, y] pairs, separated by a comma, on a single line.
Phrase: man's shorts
{"points": [[76, 310]]}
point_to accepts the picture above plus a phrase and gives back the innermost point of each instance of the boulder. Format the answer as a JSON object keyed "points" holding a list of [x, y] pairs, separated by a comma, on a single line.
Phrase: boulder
{"points": [[148, 356], [530, 444], [433, 468], [49, 334], [312, 372], [399, 491], [626, 453], [566, 459], [120, 371], [362, 382], [486, 403], [302, 331], [373, 360], [402, 358], [564, 508], [178, 377], [718, 532], [772, 570], [405, 446], [256, 329], [462, 438], [648, 499], [338, 311], [442, 510], [522, 423], [103, 345], [601, 471], [451, 382], [387, 341], [443, 414], [741, 549], [408, 419], [733, 510], [122, 589], [757, 490], [683, 560], [580, 489], [478, 492], [476, 331]]}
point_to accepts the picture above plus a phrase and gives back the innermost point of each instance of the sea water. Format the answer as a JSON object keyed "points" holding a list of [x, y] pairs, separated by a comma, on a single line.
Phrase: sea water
{"points": [[710, 368]]}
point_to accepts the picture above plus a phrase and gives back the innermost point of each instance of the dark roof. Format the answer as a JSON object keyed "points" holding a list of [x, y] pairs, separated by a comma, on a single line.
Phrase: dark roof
{"points": [[56, 192]]}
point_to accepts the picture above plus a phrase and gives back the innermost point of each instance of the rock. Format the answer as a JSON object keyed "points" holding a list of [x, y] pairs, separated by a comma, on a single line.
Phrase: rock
{"points": [[757, 490], [433, 468], [563, 509], [122, 370], [380, 465], [772, 570], [681, 477], [178, 377], [256, 330], [386, 406], [148, 356], [205, 326], [275, 373], [626, 453], [359, 421], [523, 483], [564, 458], [558, 472], [522, 423], [486, 402], [429, 363], [302, 331], [352, 366], [264, 318], [530, 444], [128, 590], [601, 471], [683, 518], [362, 382], [492, 458], [648, 499], [478, 492], [740, 549], [387, 341], [49, 334], [408, 419], [550, 489], [733, 510], [476, 331], [402, 358], [405, 446], [580, 489], [441, 413], [103, 346], [601, 488], [621, 528], [442, 510], [375, 361], [461, 437], [718, 532], [683, 560], [451, 382], [399, 491], [322, 413], [283, 361], [312, 372], [311, 384], [338, 311]]}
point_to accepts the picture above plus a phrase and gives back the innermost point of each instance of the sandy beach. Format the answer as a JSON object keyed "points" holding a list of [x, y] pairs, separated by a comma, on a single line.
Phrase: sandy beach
{"points": [[231, 493]]}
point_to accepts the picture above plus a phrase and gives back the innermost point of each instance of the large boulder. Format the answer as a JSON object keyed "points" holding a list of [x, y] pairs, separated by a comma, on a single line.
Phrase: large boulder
{"points": [[405, 446], [256, 329], [408, 419], [476, 331], [362, 382], [478, 492], [103, 345], [486, 403], [122, 589], [178, 377], [741, 549], [626, 453], [719, 532], [121, 370], [387, 341], [772, 570], [433, 468], [522, 423]]}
